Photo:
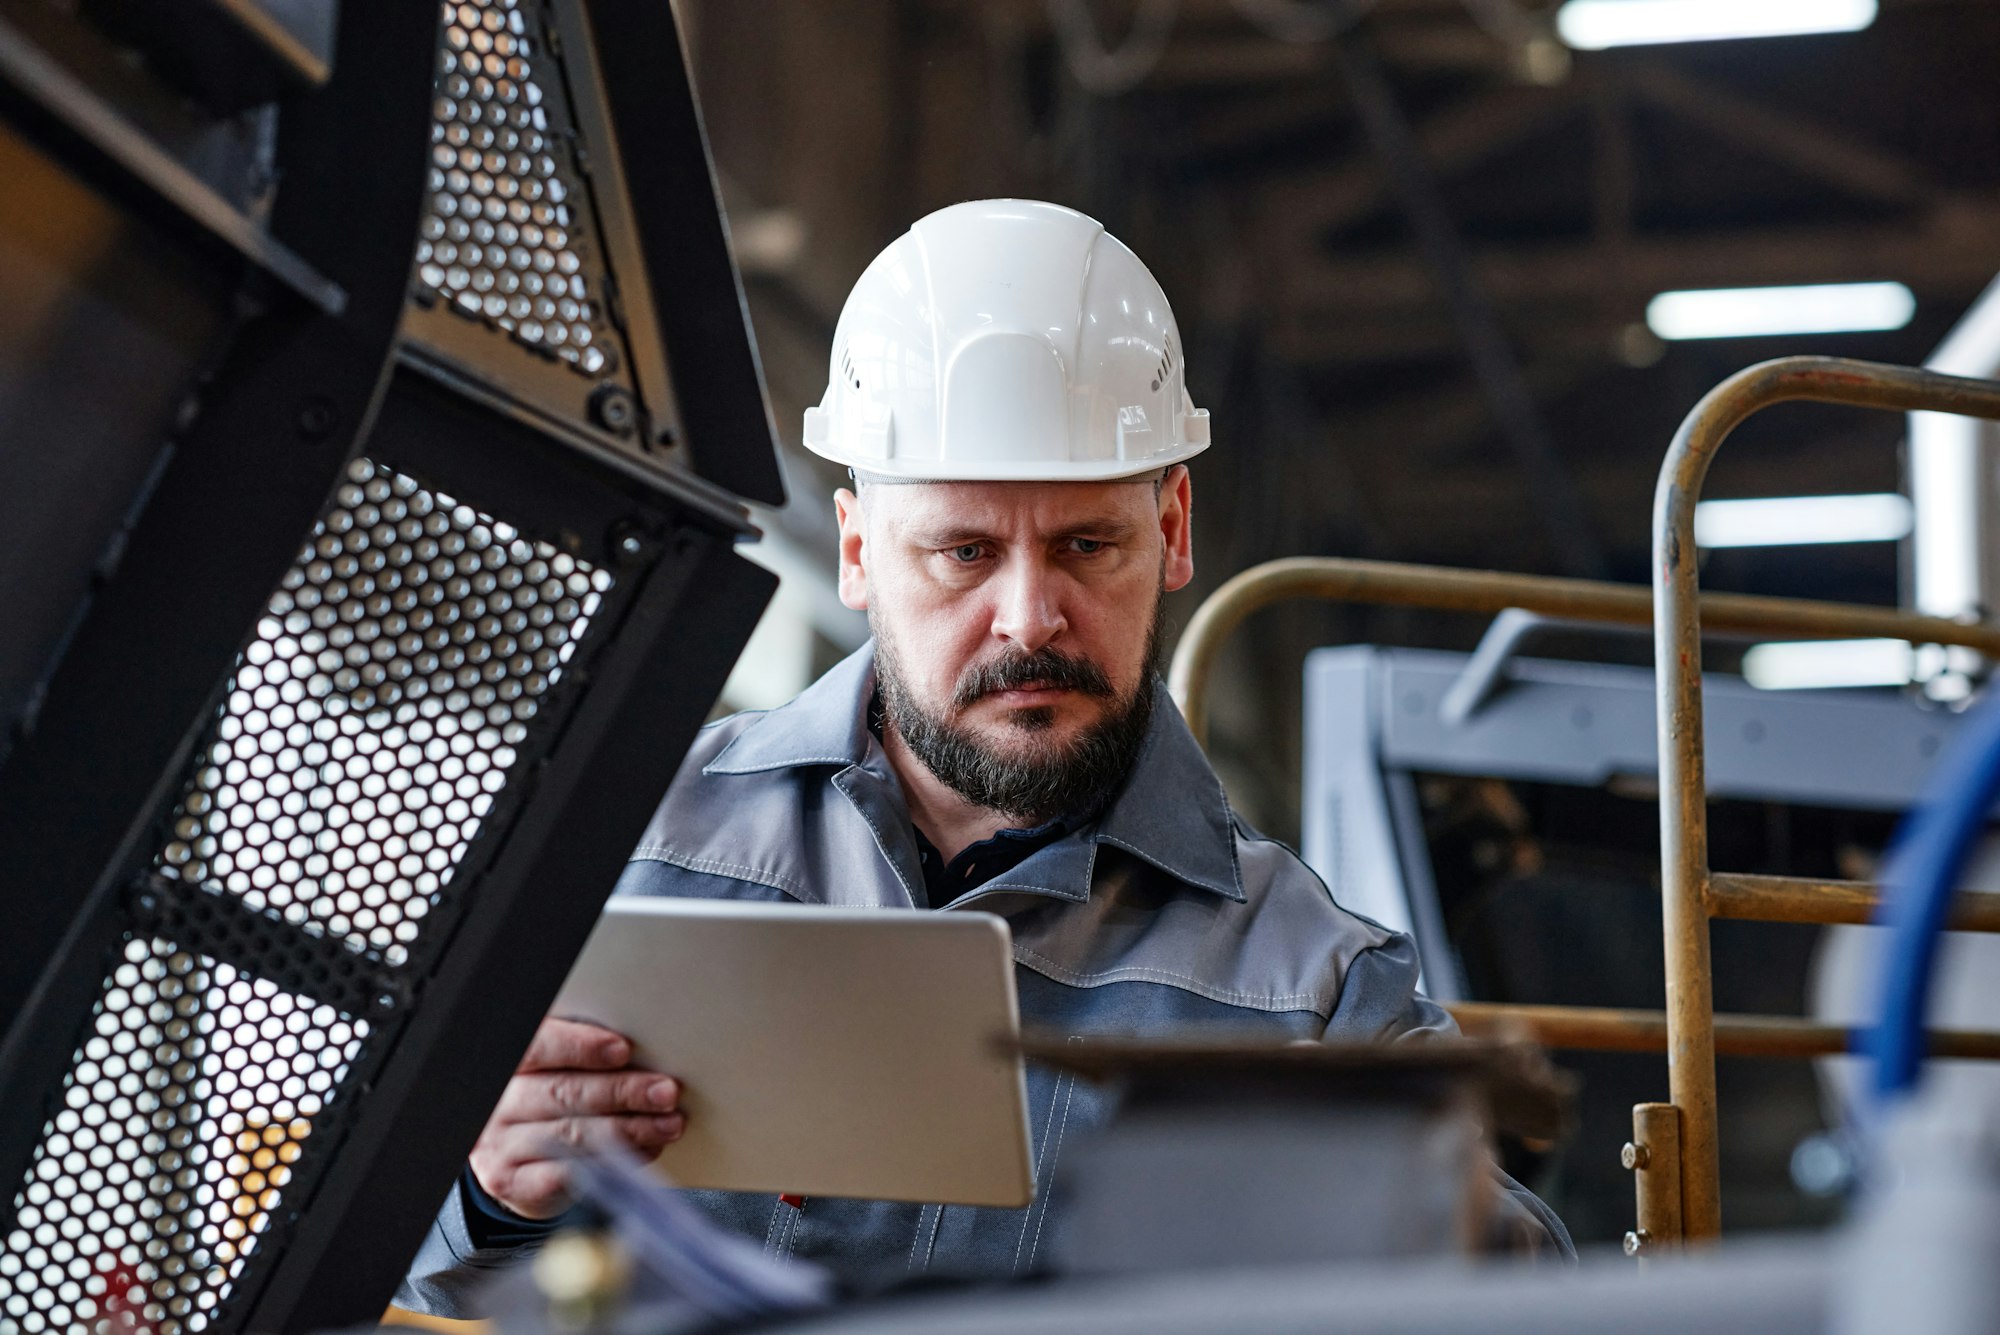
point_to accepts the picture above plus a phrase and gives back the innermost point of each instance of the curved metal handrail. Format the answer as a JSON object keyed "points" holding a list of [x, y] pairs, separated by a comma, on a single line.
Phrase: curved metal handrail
{"points": [[1677, 622], [1338, 579], [1691, 894]]}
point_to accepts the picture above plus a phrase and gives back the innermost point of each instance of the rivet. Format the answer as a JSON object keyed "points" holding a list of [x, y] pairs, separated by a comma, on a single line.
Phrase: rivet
{"points": [[316, 418]]}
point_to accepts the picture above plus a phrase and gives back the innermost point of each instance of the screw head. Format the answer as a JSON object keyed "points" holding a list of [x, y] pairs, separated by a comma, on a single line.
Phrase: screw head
{"points": [[1636, 1241], [614, 409], [1634, 1157]]}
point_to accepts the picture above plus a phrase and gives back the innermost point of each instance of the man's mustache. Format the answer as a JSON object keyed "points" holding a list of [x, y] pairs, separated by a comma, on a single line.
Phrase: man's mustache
{"points": [[1043, 667]]}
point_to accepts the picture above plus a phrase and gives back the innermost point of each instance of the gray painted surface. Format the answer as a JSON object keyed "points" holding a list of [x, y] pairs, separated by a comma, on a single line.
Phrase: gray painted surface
{"points": [[1753, 1290], [1375, 716]]}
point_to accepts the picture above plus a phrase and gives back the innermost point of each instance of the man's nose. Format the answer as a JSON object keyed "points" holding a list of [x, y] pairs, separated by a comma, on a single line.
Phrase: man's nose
{"points": [[1028, 608]]}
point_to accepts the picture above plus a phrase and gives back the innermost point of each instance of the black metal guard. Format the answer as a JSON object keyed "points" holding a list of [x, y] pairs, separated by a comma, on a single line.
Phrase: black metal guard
{"points": [[349, 747]]}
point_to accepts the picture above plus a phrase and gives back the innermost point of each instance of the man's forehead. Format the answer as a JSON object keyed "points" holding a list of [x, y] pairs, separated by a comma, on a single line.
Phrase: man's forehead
{"points": [[1010, 504]]}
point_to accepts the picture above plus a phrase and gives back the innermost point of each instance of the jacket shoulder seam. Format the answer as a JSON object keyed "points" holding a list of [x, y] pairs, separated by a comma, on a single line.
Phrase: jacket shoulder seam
{"points": [[1136, 973], [717, 867], [1247, 834]]}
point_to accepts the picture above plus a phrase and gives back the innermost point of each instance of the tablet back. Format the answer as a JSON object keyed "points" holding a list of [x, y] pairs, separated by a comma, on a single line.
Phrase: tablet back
{"points": [[822, 1051]]}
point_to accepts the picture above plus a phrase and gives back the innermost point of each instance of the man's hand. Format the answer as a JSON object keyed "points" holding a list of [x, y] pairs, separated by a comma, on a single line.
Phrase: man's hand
{"points": [[573, 1088]]}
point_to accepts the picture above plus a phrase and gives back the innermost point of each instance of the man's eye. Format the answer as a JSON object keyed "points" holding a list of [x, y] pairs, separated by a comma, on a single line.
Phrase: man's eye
{"points": [[1086, 546], [967, 553]]}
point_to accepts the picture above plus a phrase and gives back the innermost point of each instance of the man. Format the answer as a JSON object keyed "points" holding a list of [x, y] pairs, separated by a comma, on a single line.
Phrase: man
{"points": [[1006, 387]]}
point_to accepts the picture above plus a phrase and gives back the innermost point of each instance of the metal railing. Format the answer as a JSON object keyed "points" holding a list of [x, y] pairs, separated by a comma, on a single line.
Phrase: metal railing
{"points": [[1673, 1152]]}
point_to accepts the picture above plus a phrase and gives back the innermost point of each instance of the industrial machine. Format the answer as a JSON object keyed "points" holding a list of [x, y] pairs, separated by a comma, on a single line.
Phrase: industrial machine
{"points": [[1673, 1152], [1499, 808], [377, 432]]}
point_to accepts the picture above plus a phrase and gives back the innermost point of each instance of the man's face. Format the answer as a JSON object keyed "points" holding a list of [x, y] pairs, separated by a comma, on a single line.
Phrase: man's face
{"points": [[1017, 615]]}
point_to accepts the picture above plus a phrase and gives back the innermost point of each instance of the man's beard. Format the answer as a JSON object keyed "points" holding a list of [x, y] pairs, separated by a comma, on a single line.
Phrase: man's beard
{"points": [[1068, 779]]}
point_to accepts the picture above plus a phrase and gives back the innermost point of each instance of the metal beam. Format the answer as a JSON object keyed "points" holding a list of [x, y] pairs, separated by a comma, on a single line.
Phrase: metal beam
{"points": [[1603, 1029], [1834, 157], [1792, 899], [1310, 335], [1298, 210], [1552, 492], [1948, 254]]}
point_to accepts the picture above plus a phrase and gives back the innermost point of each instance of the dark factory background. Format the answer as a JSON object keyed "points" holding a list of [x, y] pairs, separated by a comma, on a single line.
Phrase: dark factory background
{"points": [[1413, 266]]}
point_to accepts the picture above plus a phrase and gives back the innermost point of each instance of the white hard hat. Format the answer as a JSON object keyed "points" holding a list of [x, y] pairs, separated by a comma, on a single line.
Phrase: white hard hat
{"points": [[1006, 340]]}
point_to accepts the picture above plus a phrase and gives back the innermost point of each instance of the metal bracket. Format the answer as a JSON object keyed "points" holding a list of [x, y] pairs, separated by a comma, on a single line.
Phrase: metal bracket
{"points": [[130, 162], [1654, 1157]]}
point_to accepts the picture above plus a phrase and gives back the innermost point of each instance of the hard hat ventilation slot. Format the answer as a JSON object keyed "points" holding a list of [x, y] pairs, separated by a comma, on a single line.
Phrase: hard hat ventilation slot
{"points": [[1166, 366], [847, 368]]}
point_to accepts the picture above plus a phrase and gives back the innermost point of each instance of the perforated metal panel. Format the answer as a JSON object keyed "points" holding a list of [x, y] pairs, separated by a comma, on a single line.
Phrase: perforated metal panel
{"points": [[381, 706], [508, 237], [378, 711], [183, 1114]]}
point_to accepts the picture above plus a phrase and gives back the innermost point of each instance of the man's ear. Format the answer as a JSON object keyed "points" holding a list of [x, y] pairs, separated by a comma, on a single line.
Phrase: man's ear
{"points": [[853, 550], [1176, 527]]}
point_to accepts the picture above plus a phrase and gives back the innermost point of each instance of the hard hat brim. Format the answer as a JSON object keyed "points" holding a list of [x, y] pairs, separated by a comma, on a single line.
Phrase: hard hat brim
{"points": [[1010, 470]]}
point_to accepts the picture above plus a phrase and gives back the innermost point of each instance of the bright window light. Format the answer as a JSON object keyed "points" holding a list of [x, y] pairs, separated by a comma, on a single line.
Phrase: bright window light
{"points": [[1822, 664], [1592, 25], [1798, 521], [1746, 312]]}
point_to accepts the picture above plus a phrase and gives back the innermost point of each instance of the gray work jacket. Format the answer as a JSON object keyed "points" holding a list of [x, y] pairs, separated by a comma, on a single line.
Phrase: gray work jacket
{"points": [[1169, 912]]}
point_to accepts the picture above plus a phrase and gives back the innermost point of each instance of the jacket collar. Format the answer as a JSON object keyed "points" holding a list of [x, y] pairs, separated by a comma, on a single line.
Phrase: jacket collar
{"points": [[1171, 812]]}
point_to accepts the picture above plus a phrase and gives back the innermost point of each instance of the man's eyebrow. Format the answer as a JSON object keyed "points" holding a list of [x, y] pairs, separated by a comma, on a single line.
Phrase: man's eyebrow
{"points": [[941, 537], [1115, 528]]}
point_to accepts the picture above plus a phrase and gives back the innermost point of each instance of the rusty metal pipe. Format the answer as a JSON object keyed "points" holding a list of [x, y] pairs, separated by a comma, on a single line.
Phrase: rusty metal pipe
{"points": [[1336, 579], [1653, 1156], [1604, 1029], [1677, 620], [1797, 899]]}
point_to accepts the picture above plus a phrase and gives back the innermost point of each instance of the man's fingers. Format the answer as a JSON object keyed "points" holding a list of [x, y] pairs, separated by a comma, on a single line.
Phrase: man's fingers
{"points": [[547, 1095], [538, 1189], [523, 1165], [640, 1132], [649, 1135], [574, 1045]]}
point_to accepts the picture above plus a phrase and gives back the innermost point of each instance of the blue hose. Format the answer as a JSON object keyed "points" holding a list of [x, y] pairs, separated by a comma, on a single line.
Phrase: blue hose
{"points": [[1919, 878]]}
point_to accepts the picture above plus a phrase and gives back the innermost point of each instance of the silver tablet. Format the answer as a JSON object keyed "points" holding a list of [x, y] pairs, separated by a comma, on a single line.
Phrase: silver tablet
{"points": [[821, 1051]]}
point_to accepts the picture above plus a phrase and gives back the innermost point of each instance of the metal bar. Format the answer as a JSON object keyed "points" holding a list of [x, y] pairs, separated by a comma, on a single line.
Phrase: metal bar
{"points": [[228, 55], [1506, 637], [1800, 899], [703, 321], [301, 62], [1551, 489], [126, 157], [300, 959], [1677, 622], [606, 180], [1603, 1029], [697, 493], [1654, 1156], [1839, 159], [1488, 664], [1336, 579]]}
